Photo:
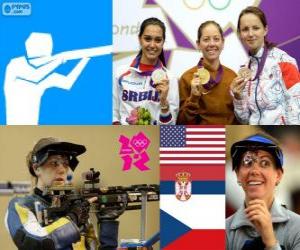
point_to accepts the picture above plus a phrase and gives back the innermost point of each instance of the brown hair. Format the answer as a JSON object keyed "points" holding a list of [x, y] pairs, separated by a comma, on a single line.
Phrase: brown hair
{"points": [[262, 17], [30, 156], [29, 163], [203, 25]]}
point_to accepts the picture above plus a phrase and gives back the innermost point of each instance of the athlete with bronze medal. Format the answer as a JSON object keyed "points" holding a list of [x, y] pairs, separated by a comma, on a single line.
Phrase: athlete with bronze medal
{"points": [[267, 91], [245, 75]]}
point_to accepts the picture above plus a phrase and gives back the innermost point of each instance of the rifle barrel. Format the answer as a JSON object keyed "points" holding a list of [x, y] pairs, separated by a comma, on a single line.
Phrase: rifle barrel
{"points": [[82, 53], [73, 55]]}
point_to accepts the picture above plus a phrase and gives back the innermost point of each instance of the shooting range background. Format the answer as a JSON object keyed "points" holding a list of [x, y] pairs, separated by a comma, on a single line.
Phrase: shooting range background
{"points": [[73, 25], [102, 154]]}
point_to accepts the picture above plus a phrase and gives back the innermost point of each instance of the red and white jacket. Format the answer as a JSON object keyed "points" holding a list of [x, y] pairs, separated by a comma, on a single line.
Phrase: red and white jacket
{"points": [[273, 98]]}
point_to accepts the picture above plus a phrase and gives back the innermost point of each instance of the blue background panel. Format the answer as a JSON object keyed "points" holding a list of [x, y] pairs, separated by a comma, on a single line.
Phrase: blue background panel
{"points": [[73, 25]]}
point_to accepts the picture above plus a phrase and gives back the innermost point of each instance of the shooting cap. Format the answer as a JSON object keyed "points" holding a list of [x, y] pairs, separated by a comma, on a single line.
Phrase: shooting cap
{"points": [[253, 143], [46, 147]]}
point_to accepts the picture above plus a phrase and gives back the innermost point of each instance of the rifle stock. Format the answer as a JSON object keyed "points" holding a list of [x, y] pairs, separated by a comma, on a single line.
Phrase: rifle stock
{"points": [[108, 198]]}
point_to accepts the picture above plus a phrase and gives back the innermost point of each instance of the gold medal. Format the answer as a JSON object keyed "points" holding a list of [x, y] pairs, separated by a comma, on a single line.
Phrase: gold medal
{"points": [[158, 75], [245, 73], [204, 75]]}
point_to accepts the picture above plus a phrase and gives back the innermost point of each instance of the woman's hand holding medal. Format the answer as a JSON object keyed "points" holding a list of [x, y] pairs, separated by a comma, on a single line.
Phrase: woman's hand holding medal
{"points": [[161, 83], [201, 77], [238, 83], [196, 87]]}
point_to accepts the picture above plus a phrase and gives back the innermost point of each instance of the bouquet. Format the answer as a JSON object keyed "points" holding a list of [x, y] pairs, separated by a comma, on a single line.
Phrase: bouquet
{"points": [[139, 116]]}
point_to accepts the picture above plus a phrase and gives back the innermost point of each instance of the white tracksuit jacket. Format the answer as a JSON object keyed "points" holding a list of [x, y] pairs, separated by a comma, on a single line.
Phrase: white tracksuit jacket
{"points": [[274, 98], [132, 90]]}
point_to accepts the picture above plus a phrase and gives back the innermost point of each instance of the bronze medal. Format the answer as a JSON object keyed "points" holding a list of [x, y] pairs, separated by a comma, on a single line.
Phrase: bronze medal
{"points": [[245, 73]]}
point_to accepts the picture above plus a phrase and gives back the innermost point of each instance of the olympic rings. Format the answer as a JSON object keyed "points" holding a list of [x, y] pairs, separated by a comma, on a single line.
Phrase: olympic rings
{"points": [[215, 4], [219, 7], [140, 143]]}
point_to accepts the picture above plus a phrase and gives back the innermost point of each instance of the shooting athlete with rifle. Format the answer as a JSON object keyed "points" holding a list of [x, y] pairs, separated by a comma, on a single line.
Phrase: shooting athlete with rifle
{"points": [[27, 220]]}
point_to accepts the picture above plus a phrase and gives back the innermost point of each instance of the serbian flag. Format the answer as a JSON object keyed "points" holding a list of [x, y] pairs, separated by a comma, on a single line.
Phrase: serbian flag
{"points": [[192, 186]]}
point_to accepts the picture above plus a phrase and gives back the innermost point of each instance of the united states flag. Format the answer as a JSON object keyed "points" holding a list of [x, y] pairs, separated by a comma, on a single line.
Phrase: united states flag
{"points": [[199, 222]]}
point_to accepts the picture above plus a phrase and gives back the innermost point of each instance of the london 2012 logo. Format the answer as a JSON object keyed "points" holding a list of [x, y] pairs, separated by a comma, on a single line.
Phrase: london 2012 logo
{"points": [[183, 186], [133, 151]]}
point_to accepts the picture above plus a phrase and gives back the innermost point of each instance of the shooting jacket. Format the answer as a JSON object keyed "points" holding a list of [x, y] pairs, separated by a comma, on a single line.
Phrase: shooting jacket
{"points": [[63, 234]]}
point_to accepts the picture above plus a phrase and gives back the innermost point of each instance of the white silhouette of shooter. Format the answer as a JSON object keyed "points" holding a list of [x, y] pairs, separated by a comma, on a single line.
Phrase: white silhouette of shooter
{"points": [[27, 78]]}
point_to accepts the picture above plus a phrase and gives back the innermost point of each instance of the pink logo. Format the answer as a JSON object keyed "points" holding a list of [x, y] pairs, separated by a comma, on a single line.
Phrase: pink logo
{"points": [[133, 151], [183, 186]]}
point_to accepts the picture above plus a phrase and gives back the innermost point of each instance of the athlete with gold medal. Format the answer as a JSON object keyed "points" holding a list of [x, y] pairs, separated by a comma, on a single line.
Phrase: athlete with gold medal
{"points": [[204, 89]]}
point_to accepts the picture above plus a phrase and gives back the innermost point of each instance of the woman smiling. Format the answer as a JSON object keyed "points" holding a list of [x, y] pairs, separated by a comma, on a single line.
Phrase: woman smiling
{"points": [[262, 222], [204, 89], [267, 90], [145, 93]]}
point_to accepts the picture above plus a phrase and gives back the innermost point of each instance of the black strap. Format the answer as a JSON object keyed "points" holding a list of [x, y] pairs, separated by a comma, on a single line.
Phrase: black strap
{"points": [[25, 242], [256, 244]]}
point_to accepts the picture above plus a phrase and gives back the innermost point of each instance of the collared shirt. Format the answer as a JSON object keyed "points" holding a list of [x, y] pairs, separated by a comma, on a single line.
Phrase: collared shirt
{"points": [[286, 226]]}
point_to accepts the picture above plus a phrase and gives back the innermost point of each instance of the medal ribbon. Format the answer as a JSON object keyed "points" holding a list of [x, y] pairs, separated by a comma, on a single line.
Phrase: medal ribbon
{"points": [[136, 63], [261, 64], [212, 82]]}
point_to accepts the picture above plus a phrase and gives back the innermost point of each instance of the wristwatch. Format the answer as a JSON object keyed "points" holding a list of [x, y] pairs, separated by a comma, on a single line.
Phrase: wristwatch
{"points": [[164, 107]]}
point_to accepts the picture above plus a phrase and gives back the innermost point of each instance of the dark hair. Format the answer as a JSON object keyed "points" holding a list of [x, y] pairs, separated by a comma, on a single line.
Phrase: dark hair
{"points": [[203, 25], [262, 17], [154, 21]]}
